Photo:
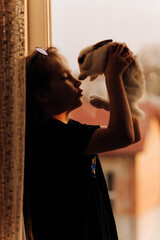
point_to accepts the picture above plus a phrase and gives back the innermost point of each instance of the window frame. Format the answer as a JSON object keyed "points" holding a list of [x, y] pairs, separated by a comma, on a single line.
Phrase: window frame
{"points": [[38, 24]]}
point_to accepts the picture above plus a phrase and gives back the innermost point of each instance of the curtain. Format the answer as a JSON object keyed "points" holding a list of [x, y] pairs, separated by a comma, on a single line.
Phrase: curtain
{"points": [[12, 118]]}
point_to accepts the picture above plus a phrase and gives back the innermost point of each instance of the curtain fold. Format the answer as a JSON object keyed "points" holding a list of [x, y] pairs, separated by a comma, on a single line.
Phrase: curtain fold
{"points": [[12, 117]]}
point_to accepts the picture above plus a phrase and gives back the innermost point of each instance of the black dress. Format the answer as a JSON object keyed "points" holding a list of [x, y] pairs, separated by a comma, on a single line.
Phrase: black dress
{"points": [[67, 190]]}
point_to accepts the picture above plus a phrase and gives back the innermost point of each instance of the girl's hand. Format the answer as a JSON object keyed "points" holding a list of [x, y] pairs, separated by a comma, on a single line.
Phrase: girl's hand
{"points": [[119, 58]]}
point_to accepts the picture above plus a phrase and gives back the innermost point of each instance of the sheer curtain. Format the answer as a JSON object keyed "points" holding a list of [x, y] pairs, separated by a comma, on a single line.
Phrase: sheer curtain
{"points": [[12, 117]]}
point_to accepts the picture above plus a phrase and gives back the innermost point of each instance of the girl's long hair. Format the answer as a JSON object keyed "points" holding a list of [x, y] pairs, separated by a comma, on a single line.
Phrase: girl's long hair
{"points": [[39, 71]]}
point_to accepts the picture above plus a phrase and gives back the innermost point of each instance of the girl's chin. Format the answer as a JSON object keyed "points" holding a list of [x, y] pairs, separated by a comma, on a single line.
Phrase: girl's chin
{"points": [[78, 104]]}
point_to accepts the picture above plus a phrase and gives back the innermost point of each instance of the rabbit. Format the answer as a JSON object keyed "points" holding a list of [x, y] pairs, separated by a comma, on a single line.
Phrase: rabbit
{"points": [[92, 62]]}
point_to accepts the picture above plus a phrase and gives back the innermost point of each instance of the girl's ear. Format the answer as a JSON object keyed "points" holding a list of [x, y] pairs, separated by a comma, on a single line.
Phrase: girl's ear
{"points": [[41, 96]]}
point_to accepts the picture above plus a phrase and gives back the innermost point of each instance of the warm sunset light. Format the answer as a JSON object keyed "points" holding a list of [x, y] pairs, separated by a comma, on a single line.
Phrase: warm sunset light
{"points": [[83, 22]]}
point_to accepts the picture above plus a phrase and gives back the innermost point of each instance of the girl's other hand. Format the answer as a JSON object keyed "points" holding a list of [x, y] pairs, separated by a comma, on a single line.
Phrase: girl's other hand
{"points": [[119, 58]]}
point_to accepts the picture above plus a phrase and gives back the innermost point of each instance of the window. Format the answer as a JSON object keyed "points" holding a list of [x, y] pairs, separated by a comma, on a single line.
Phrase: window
{"points": [[110, 179], [79, 23]]}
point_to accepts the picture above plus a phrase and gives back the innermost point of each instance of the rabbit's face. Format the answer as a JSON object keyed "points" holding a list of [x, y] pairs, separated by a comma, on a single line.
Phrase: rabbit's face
{"points": [[85, 58]]}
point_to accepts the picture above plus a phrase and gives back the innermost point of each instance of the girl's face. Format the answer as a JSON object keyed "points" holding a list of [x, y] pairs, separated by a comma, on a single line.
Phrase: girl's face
{"points": [[64, 92]]}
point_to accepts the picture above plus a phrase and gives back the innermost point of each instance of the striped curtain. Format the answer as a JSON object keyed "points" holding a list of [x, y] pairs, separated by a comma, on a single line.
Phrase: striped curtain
{"points": [[12, 118]]}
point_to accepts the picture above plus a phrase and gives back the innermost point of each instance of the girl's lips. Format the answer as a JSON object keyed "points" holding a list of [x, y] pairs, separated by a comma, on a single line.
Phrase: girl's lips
{"points": [[80, 92]]}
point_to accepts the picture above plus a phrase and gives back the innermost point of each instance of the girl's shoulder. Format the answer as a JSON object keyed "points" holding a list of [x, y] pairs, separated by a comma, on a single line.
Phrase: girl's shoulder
{"points": [[72, 129]]}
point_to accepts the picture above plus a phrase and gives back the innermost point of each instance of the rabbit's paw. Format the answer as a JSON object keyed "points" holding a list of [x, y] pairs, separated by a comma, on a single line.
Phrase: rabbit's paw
{"points": [[96, 101]]}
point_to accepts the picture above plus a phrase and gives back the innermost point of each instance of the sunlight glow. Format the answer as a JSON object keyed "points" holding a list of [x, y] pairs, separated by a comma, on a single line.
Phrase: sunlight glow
{"points": [[79, 23]]}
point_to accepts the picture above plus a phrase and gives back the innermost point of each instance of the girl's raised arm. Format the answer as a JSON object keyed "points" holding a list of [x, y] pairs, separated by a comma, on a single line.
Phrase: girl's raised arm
{"points": [[121, 130]]}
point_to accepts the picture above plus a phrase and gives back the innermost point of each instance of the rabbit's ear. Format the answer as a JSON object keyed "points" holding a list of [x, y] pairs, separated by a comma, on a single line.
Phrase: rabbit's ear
{"points": [[92, 78], [100, 44], [81, 59]]}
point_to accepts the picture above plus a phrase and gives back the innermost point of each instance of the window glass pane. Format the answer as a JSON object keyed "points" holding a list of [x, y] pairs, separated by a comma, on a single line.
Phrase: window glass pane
{"points": [[78, 23], [134, 187]]}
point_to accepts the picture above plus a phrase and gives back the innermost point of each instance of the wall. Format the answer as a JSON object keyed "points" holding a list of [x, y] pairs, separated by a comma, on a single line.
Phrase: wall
{"points": [[137, 187], [123, 167], [148, 185]]}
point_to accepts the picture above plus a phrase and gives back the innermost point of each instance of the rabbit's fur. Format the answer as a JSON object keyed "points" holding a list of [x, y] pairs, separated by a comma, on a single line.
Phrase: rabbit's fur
{"points": [[92, 62]]}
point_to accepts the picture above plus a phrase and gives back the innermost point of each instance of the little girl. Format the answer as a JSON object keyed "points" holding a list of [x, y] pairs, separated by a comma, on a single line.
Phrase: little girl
{"points": [[65, 194]]}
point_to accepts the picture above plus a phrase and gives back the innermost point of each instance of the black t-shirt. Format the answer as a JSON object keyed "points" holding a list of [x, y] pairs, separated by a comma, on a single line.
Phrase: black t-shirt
{"points": [[68, 192]]}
